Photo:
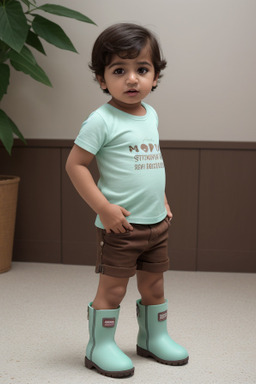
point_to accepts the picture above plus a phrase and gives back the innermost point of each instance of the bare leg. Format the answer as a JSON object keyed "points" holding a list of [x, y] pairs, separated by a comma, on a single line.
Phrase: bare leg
{"points": [[151, 287], [110, 293]]}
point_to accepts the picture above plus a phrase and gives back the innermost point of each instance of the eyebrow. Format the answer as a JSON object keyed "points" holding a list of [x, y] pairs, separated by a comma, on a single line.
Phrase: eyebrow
{"points": [[123, 63]]}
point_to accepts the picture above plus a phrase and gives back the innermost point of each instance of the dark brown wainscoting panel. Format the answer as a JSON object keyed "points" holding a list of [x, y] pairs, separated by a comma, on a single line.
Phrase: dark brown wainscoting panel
{"points": [[227, 212], [38, 230], [211, 187], [182, 193]]}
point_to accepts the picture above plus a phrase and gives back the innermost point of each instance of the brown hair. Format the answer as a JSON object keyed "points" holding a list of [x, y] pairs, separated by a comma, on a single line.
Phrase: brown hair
{"points": [[125, 40]]}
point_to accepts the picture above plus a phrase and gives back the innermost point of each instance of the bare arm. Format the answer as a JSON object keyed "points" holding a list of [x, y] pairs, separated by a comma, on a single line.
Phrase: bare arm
{"points": [[112, 216]]}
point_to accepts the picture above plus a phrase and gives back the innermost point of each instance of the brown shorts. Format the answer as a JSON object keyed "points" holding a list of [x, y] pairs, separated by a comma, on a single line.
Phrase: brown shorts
{"points": [[144, 248]]}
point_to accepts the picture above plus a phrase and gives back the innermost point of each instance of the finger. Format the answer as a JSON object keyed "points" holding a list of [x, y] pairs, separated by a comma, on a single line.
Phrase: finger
{"points": [[127, 226], [125, 212], [130, 227]]}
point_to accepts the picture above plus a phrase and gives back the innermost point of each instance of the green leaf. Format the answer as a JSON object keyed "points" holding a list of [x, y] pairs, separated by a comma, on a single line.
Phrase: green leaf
{"points": [[34, 41], [25, 53], [66, 12], [25, 62], [7, 129], [4, 79], [4, 52], [52, 33], [13, 25], [17, 132], [28, 3]]}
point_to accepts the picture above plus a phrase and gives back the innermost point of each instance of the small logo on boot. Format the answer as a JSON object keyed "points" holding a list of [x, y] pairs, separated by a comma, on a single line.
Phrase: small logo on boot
{"points": [[108, 323], [162, 316]]}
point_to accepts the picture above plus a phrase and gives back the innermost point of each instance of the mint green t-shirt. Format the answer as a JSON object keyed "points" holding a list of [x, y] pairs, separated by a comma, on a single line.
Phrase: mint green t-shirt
{"points": [[129, 160]]}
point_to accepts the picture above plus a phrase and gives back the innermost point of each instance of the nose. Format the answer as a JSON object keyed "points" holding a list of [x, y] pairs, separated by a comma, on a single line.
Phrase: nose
{"points": [[132, 78]]}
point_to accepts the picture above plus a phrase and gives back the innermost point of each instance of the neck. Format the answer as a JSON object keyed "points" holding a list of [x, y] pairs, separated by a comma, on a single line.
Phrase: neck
{"points": [[136, 109]]}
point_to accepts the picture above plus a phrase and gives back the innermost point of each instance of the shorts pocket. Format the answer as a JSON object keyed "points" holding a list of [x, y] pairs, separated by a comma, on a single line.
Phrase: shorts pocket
{"points": [[117, 240]]}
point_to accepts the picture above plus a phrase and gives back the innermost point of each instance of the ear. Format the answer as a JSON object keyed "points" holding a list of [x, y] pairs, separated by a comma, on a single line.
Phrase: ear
{"points": [[101, 82], [156, 79]]}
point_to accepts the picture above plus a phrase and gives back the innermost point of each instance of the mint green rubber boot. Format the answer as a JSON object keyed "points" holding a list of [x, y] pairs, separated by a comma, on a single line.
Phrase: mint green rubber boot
{"points": [[102, 353], [153, 339]]}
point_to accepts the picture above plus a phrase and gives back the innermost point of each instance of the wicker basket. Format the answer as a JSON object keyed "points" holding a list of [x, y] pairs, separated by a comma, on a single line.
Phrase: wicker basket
{"points": [[8, 203]]}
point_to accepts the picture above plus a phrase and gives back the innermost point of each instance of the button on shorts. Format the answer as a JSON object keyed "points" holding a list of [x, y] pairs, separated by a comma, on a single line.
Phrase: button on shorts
{"points": [[144, 248]]}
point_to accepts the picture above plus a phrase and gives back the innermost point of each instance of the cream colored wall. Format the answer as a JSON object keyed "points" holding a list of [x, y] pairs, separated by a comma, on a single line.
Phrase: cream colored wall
{"points": [[208, 91]]}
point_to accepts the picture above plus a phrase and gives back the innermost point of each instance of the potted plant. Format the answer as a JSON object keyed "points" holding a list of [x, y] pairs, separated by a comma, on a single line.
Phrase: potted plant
{"points": [[22, 29]]}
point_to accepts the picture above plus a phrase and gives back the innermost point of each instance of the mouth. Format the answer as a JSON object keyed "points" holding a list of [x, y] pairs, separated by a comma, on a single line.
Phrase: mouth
{"points": [[132, 92]]}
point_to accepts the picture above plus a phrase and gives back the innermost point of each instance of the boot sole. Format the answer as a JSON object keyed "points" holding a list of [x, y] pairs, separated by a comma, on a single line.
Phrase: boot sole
{"points": [[115, 374], [144, 353]]}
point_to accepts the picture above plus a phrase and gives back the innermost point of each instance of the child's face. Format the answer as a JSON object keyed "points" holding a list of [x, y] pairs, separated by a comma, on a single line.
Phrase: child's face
{"points": [[129, 81]]}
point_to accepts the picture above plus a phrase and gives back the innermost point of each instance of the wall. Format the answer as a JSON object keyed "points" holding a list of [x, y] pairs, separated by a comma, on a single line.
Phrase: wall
{"points": [[208, 91], [211, 187]]}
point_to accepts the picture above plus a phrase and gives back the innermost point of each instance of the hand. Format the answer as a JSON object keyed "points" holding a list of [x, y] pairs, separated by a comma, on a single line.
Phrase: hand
{"points": [[169, 213], [113, 219]]}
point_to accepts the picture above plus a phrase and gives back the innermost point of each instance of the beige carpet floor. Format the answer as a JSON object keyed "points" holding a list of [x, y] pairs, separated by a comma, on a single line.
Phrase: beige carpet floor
{"points": [[44, 330]]}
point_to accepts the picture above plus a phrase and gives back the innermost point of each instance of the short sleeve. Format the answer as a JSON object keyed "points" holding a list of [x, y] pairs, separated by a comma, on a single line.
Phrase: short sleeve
{"points": [[92, 135]]}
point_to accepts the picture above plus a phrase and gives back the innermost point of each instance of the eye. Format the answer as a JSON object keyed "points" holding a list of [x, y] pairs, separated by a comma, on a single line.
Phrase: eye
{"points": [[118, 71], [142, 70]]}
